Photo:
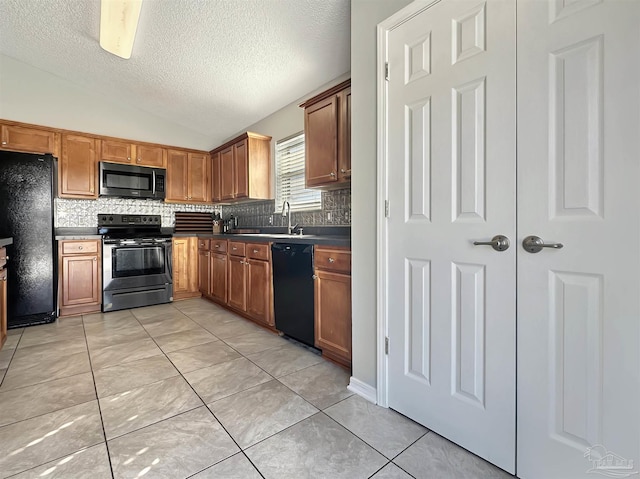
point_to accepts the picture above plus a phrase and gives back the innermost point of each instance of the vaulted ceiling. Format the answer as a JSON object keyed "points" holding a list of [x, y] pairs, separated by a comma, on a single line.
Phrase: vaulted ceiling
{"points": [[211, 66]]}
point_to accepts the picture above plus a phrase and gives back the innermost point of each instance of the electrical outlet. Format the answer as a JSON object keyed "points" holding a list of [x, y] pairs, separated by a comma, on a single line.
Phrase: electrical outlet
{"points": [[270, 219], [328, 215]]}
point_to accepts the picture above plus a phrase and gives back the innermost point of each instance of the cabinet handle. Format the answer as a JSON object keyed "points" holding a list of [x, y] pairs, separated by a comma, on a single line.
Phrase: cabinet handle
{"points": [[4, 142], [91, 190], [129, 158], [6, 258], [80, 247], [234, 248], [342, 170], [138, 160], [331, 260], [217, 246], [255, 250], [95, 258], [333, 174], [314, 276]]}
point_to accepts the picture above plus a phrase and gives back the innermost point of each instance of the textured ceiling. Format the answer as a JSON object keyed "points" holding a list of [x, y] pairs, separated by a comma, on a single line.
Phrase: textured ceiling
{"points": [[212, 66]]}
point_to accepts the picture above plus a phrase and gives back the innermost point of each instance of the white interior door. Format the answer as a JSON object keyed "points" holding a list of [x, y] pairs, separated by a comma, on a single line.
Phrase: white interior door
{"points": [[578, 184], [451, 180]]}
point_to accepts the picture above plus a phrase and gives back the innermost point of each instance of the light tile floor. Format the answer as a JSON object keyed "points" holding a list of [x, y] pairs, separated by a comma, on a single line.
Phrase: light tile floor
{"points": [[191, 390]]}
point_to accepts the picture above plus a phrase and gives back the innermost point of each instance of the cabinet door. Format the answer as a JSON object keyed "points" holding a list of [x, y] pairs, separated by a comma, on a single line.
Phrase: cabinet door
{"points": [[333, 314], [152, 156], [344, 135], [219, 277], [185, 267], [259, 291], [198, 177], [3, 306], [216, 180], [77, 175], [177, 175], [226, 174], [204, 272], [32, 140], [81, 281], [241, 169], [237, 283], [321, 142], [116, 151]]}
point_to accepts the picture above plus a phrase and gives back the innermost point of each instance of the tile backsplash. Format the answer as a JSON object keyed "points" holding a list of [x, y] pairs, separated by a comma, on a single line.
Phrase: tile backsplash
{"points": [[84, 213], [336, 210]]}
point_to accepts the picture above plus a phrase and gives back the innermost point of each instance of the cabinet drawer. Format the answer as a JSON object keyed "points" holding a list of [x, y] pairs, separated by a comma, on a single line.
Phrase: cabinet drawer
{"points": [[258, 251], [332, 259], [203, 244], [76, 247], [236, 248], [219, 246], [3, 257]]}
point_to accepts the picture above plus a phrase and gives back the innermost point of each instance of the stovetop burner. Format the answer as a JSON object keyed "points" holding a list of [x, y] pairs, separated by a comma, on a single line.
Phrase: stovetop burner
{"points": [[130, 226]]}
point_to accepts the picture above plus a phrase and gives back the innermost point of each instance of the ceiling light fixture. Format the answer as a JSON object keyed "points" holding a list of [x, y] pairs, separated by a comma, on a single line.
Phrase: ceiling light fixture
{"points": [[118, 25]]}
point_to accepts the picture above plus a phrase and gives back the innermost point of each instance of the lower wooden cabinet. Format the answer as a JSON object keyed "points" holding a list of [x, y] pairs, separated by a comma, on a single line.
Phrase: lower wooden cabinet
{"points": [[239, 276], [3, 296], [80, 268], [332, 298], [259, 291], [237, 283], [204, 271], [185, 268], [219, 270]]}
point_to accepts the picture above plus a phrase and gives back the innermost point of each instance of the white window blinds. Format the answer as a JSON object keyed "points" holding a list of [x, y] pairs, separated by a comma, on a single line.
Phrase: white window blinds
{"points": [[290, 176]]}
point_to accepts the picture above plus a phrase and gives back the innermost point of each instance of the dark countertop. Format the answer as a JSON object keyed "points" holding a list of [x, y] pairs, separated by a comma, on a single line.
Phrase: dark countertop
{"points": [[335, 236], [77, 233], [5, 242]]}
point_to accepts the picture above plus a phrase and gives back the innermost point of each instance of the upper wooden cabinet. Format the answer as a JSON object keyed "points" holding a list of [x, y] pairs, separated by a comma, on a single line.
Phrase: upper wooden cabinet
{"points": [[77, 167], [32, 140], [242, 169], [115, 151], [327, 128], [216, 179], [188, 177]]}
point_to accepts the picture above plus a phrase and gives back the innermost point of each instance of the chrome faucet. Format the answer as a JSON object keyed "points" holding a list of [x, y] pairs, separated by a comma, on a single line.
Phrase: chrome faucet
{"points": [[287, 213]]}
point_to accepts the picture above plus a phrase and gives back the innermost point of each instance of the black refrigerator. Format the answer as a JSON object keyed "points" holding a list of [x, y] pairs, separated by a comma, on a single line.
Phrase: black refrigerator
{"points": [[26, 215]]}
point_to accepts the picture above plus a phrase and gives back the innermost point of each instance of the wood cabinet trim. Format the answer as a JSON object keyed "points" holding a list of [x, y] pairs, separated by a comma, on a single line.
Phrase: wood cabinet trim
{"points": [[244, 136], [327, 93]]}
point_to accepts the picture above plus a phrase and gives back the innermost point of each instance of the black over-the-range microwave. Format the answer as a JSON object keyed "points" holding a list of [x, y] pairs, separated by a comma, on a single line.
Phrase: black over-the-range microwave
{"points": [[132, 181]]}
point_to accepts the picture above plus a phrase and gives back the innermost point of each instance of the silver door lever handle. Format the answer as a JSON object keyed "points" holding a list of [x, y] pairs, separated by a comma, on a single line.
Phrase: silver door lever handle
{"points": [[498, 243], [534, 244]]}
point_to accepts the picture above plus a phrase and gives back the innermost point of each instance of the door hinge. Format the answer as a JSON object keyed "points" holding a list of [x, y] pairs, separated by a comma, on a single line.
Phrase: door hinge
{"points": [[386, 345], [386, 71], [386, 208]]}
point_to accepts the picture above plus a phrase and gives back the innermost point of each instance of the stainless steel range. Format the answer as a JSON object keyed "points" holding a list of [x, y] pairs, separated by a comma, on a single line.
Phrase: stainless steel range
{"points": [[136, 269]]}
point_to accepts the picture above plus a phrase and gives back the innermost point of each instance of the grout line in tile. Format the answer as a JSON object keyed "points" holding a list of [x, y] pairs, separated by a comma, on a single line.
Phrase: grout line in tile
{"points": [[383, 466], [93, 377]]}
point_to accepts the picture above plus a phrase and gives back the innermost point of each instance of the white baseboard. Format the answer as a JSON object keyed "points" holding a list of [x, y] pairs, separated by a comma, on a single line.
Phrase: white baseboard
{"points": [[363, 390]]}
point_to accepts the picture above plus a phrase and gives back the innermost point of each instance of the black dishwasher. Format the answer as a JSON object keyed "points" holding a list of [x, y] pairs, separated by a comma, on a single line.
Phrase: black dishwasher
{"points": [[293, 290]]}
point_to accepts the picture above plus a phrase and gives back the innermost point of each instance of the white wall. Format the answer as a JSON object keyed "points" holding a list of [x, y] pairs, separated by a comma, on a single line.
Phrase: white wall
{"points": [[365, 15], [30, 95]]}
